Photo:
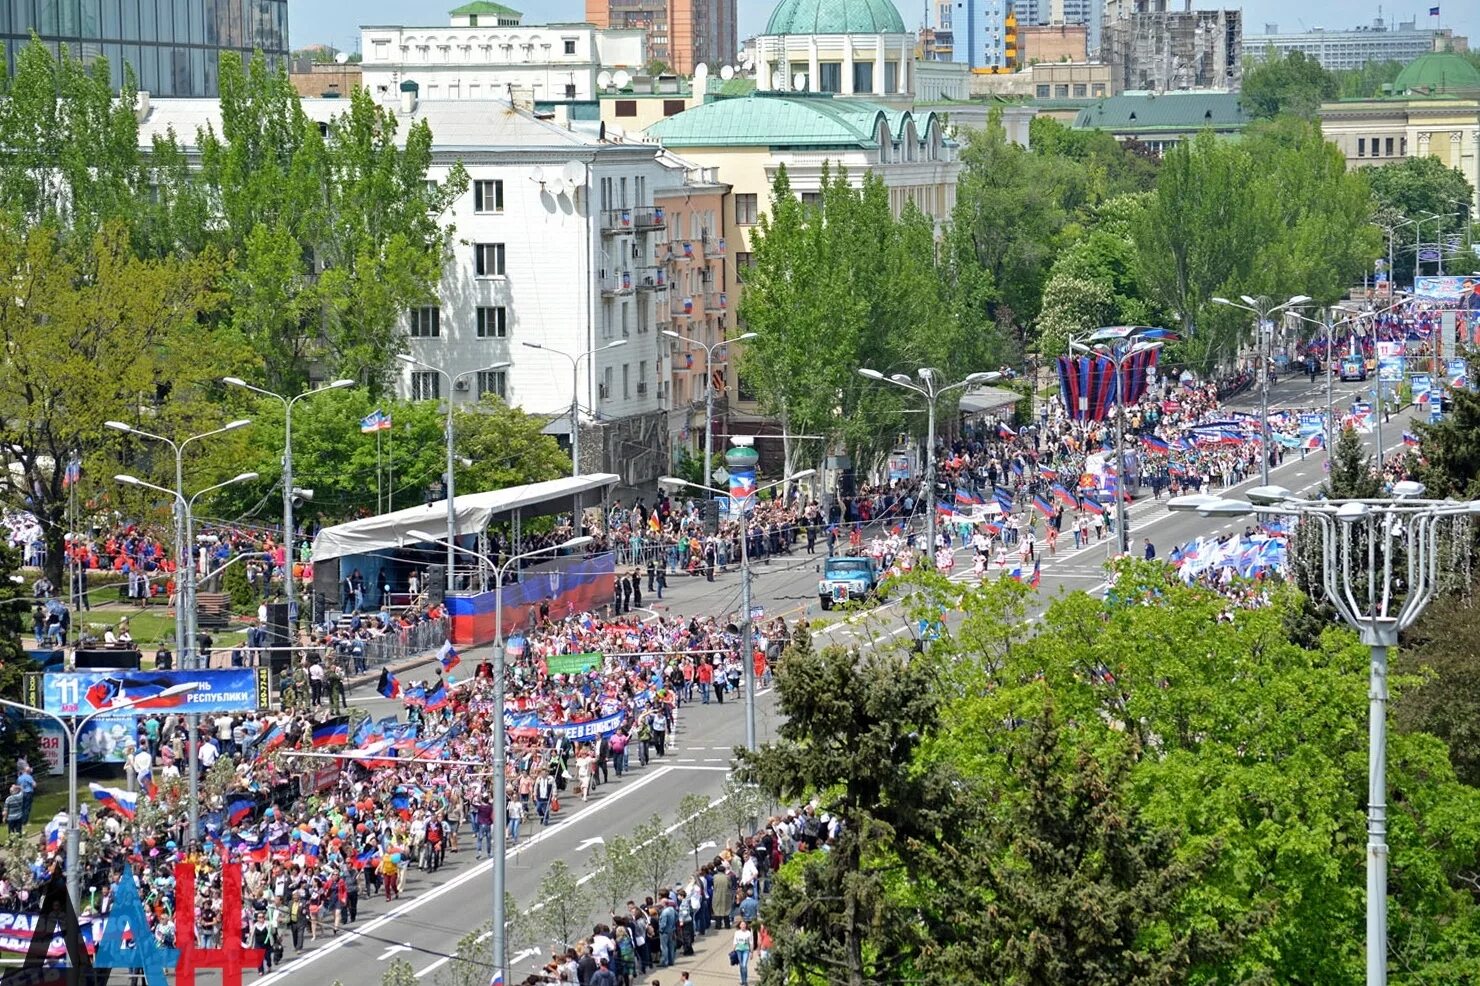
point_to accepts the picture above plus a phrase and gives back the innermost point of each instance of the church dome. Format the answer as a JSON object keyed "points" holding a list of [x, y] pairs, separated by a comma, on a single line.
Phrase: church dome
{"points": [[1440, 71], [835, 17]]}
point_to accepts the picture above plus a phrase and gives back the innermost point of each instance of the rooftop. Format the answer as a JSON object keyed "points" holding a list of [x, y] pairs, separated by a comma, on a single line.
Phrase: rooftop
{"points": [[768, 119], [835, 17], [1130, 112], [484, 7], [1438, 72]]}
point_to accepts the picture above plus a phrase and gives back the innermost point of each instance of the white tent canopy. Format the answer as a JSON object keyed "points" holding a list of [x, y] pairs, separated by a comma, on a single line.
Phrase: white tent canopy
{"points": [[474, 512]]}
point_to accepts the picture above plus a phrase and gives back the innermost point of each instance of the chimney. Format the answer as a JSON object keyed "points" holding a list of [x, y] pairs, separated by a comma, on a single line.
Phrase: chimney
{"points": [[408, 97], [141, 105], [562, 115]]}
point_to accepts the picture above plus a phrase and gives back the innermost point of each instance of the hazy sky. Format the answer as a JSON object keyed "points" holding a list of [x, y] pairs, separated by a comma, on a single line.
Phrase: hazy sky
{"points": [[337, 22]]}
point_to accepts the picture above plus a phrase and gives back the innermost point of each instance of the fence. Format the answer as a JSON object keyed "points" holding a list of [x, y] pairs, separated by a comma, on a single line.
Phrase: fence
{"points": [[406, 642]]}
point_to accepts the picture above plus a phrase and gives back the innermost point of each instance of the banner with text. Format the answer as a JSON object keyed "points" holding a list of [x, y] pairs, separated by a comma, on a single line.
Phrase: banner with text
{"points": [[580, 731], [136, 693]]}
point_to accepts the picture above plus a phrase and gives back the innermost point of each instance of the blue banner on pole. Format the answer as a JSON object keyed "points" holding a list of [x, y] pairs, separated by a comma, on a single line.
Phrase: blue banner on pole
{"points": [[136, 693]]}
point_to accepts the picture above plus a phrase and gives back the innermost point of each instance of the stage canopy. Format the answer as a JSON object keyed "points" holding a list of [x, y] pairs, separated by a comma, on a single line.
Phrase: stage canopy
{"points": [[474, 512]]}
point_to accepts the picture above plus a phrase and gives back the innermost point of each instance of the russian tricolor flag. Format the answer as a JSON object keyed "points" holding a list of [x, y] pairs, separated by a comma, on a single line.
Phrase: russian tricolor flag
{"points": [[123, 802], [448, 655], [1037, 577], [1410, 439], [53, 836]]}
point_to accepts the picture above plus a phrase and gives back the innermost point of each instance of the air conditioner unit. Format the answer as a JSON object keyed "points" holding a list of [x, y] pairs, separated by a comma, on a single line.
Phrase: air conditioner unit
{"points": [[460, 384]]}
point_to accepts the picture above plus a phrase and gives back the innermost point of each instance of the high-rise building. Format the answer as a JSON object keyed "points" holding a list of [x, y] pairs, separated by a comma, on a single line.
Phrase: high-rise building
{"points": [[1153, 48], [681, 33], [1355, 47], [174, 46], [985, 35]]}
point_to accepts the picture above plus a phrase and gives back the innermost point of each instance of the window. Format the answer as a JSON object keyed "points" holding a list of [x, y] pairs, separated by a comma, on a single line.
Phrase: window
{"points": [[606, 384], [829, 77], [1097, 90], [672, 107], [863, 76], [493, 382], [626, 381], [426, 385], [813, 199], [626, 107], [488, 259], [1361, 147], [488, 196], [380, 50], [1388, 147], [626, 322], [570, 90], [747, 206], [493, 322], [743, 262], [1042, 92], [1080, 90], [426, 322], [1061, 91], [570, 46]]}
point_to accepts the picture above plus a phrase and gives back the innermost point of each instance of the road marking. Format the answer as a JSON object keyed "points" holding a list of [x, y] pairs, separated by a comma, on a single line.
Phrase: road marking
{"points": [[478, 871], [588, 843], [434, 966], [392, 951]]}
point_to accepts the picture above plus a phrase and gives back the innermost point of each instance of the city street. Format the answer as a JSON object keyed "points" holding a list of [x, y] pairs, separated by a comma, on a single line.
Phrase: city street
{"points": [[424, 926]]}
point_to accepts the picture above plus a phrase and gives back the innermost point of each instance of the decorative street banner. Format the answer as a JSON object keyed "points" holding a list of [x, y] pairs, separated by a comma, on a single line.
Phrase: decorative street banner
{"points": [[1312, 424], [18, 928], [1421, 384], [740, 462], [1445, 288], [82, 693], [572, 663], [1390, 369], [1447, 327], [1456, 373], [584, 730]]}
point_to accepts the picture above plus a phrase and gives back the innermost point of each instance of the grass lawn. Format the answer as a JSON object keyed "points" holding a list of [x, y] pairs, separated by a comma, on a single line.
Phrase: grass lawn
{"points": [[51, 797], [149, 627]]}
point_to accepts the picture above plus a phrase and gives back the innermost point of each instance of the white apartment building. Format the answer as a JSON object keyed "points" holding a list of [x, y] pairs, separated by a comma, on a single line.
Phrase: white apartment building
{"points": [[557, 244], [493, 59]]}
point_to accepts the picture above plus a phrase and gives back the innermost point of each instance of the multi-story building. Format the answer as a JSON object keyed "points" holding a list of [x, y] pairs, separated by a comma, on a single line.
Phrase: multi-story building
{"points": [[1353, 48], [558, 238], [985, 35], [1153, 48], [1053, 43], [859, 48], [1057, 13], [487, 53], [682, 34], [174, 46]]}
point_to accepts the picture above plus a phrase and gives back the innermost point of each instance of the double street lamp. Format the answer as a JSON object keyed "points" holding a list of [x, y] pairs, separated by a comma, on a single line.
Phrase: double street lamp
{"points": [[452, 380], [747, 649], [708, 386], [186, 508], [1262, 310], [72, 728], [500, 737], [288, 403], [1118, 360], [932, 389], [1402, 530]]}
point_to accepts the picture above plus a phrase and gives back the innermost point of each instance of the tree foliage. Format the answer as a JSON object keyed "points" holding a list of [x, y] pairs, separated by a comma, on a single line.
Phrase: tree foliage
{"points": [[1290, 83], [564, 905], [1413, 187], [1451, 448]]}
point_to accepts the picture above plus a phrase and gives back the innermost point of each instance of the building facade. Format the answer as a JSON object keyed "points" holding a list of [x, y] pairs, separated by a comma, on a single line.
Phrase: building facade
{"points": [[1152, 48], [485, 56], [853, 48], [174, 46], [1053, 43], [680, 33], [1353, 48], [557, 240], [985, 35]]}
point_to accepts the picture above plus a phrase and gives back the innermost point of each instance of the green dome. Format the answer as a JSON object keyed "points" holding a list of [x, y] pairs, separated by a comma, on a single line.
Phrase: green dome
{"points": [[835, 17], [1440, 71]]}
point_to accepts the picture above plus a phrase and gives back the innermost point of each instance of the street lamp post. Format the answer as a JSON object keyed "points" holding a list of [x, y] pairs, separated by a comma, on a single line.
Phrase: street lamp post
{"points": [[288, 403], [1405, 527], [1118, 361], [452, 380], [1263, 312], [500, 737], [574, 393], [72, 728], [931, 389], [708, 388], [747, 649], [187, 511]]}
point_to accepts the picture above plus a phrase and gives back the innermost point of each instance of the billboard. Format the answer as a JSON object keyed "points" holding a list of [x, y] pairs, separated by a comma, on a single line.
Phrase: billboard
{"points": [[1447, 287], [1390, 369], [83, 693]]}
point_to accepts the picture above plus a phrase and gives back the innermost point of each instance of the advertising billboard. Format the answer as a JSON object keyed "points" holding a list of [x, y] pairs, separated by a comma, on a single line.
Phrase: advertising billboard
{"points": [[1447, 287], [135, 693]]}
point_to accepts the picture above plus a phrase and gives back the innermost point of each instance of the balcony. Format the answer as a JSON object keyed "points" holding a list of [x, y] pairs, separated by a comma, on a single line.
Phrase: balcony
{"points": [[683, 250], [617, 221], [615, 283], [684, 305], [650, 219], [652, 279], [716, 301], [713, 246]]}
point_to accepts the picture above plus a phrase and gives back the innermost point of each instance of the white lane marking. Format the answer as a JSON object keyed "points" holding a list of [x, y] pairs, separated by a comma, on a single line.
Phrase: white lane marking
{"points": [[434, 966], [478, 871], [392, 951]]}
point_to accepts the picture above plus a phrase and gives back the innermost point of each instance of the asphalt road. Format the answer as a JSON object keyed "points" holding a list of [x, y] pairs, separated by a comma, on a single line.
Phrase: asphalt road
{"points": [[436, 910]]}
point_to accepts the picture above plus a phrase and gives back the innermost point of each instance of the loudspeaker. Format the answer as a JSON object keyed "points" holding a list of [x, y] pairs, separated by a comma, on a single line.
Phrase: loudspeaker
{"points": [[326, 584], [847, 483], [278, 638], [435, 582]]}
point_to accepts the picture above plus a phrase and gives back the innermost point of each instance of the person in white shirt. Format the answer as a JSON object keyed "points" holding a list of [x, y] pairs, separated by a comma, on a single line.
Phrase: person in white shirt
{"points": [[742, 945], [208, 755]]}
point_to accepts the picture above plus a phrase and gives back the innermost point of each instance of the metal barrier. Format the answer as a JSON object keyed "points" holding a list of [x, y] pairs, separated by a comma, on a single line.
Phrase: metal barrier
{"points": [[402, 643]]}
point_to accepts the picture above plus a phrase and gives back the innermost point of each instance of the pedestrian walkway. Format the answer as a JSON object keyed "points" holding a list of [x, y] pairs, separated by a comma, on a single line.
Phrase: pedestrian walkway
{"points": [[709, 965]]}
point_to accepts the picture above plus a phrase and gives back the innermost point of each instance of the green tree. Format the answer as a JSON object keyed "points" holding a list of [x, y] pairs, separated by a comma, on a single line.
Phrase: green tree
{"points": [[335, 233], [740, 807], [19, 736], [618, 870], [1450, 448], [564, 906], [1440, 652], [235, 584], [696, 822], [1353, 476], [1413, 187], [1290, 83], [1367, 81], [655, 852]]}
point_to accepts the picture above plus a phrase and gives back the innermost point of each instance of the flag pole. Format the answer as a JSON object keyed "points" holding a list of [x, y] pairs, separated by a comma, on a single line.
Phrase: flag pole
{"points": [[378, 492], [390, 468]]}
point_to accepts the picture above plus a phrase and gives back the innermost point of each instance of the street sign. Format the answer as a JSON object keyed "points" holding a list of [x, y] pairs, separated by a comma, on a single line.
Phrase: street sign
{"points": [[720, 475]]}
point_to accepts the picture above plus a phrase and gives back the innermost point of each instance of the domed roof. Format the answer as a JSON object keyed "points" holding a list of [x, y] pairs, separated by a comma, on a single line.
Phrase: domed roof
{"points": [[1439, 71], [835, 17]]}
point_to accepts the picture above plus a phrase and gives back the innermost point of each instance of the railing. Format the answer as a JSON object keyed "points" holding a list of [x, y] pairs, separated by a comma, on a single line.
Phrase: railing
{"points": [[401, 643], [684, 304], [714, 246], [649, 219], [617, 221], [616, 283], [652, 279], [716, 301]]}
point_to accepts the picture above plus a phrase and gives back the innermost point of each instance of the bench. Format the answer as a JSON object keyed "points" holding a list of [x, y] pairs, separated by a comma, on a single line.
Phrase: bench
{"points": [[213, 610]]}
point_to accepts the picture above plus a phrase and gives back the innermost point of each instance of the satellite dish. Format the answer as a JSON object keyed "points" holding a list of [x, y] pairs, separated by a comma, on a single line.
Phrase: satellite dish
{"points": [[554, 186], [604, 79], [621, 80], [573, 174], [727, 73], [778, 80], [799, 82], [342, 58], [701, 70], [537, 174]]}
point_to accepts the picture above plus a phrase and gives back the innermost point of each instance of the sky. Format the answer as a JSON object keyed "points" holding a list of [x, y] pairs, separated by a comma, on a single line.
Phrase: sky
{"points": [[337, 22]]}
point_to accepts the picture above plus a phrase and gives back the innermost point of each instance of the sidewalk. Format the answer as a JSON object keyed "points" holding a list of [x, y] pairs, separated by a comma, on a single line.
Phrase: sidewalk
{"points": [[708, 966]]}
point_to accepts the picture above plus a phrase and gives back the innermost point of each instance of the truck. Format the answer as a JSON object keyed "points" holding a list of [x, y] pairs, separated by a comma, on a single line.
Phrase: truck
{"points": [[1353, 368], [845, 578]]}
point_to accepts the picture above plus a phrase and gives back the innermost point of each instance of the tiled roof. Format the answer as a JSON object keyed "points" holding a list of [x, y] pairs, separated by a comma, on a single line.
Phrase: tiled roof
{"points": [[835, 17], [1164, 111], [766, 119]]}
